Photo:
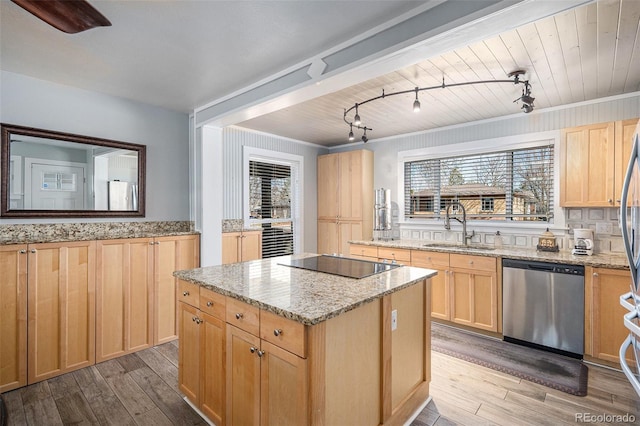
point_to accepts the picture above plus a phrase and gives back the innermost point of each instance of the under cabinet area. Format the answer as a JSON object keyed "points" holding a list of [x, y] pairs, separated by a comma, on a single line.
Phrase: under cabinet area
{"points": [[241, 246]]}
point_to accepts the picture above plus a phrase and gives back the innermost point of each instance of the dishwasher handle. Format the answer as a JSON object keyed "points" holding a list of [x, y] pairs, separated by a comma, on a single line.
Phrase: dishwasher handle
{"points": [[532, 265]]}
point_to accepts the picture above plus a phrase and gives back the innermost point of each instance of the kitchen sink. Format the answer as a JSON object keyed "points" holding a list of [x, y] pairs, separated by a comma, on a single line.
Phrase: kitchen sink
{"points": [[458, 246]]}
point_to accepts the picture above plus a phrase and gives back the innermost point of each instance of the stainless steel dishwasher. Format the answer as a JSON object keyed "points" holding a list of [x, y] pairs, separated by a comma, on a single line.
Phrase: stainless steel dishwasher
{"points": [[543, 305]]}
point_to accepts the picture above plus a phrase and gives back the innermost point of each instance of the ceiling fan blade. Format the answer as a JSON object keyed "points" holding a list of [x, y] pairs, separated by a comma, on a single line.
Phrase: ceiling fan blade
{"points": [[69, 16]]}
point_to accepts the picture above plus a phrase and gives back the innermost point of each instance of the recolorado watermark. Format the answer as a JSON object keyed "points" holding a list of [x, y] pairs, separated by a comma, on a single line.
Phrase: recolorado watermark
{"points": [[605, 418]]}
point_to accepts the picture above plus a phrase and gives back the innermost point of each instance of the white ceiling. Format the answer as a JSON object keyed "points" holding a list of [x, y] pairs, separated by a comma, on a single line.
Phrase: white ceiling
{"points": [[184, 54]]}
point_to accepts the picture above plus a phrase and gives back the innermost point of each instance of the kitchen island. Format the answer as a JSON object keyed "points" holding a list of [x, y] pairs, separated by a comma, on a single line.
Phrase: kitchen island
{"points": [[265, 343]]}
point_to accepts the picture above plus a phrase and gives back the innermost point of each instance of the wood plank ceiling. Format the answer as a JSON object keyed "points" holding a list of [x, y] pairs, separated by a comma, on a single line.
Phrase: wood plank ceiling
{"points": [[589, 52]]}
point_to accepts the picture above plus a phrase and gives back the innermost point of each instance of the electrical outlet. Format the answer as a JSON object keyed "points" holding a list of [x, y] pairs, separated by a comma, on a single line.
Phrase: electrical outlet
{"points": [[604, 228], [394, 319]]}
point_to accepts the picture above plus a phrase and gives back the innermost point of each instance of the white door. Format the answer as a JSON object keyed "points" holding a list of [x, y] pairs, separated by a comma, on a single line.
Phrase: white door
{"points": [[55, 187]]}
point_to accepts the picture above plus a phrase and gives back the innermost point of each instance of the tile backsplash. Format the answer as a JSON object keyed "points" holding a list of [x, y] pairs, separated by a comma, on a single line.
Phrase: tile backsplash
{"points": [[603, 222]]}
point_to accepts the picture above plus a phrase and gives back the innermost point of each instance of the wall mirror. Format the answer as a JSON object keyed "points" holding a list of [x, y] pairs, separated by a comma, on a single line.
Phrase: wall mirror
{"points": [[55, 174]]}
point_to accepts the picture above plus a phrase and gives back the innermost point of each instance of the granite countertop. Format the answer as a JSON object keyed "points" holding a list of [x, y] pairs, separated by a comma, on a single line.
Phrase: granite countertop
{"points": [[307, 297], [600, 260]]}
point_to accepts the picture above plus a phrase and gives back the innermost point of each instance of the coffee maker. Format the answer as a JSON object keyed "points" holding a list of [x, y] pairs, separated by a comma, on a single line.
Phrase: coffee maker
{"points": [[582, 242]]}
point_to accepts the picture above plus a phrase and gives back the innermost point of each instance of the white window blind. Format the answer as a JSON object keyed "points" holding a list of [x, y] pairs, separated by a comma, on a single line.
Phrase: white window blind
{"points": [[506, 185], [270, 206]]}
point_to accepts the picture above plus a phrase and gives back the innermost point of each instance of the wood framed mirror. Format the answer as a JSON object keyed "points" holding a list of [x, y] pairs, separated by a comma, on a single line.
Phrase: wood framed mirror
{"points": [[54, 174]]}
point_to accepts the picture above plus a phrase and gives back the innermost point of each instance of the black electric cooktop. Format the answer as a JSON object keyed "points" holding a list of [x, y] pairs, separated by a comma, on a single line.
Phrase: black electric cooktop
{"points": [[345, 267]]}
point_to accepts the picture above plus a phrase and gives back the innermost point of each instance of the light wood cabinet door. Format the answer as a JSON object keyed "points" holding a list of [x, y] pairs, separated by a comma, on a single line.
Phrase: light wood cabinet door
{"points": [[624, 131], [328, 186], [243, 378], [251, 245], [283, 394], [170, 254], [212, 367], [241, 246], [189, 352], [13, 317], [345, 200], [440, 296], [124, 297], [61, 300], [587, 166], [231, 247], [603, 288], [474, 298]]}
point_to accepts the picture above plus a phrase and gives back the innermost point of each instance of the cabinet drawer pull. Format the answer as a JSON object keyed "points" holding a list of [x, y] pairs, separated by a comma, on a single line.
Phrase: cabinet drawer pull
{"points": [[239, 315], [196, 320], [277, 332], [209, 303], [185, 294], [471, 262]]}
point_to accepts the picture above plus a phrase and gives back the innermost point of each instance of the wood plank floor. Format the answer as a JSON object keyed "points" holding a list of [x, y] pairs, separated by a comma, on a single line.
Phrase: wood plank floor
{"points": [[141, 389]]}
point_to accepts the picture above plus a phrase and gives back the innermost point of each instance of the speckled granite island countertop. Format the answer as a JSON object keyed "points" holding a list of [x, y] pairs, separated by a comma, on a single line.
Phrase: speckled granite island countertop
{"points": [[599, 260], [307, 297]]}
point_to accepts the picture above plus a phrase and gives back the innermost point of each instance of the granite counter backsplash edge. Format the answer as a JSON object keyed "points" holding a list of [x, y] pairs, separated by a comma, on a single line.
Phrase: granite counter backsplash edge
{"points": [[65, 232]]}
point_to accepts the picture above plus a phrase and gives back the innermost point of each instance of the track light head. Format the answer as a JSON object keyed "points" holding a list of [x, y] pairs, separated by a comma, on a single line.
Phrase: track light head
{"points": [[416, 103], [351, 137], [365, 139], [356, 118], [527, 108]]}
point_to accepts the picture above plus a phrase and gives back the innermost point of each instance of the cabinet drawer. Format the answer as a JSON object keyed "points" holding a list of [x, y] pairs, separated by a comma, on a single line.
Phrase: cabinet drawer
{"points": [[213, 303], [360, 250], [400, 255], [481, 263], [188, 293], [429, 259], [243, 315], [283, 332]]}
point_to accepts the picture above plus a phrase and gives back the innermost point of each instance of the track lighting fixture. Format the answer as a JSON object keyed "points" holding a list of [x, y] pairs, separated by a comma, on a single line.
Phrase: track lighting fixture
{"points": [[514, 78], [416, 103]]}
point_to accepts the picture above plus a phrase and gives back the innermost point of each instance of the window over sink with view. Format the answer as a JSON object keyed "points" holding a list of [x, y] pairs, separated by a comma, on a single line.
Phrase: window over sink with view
{"points": [[514, 184]]}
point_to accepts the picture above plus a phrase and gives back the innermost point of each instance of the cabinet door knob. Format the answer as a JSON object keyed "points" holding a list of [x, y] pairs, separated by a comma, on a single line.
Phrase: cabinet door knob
{"points": [[260, 353], [277, 332], [610, 201], [185, 294], [209, 303], [252, 349], [595, 274], [194, 319], [22, 251], [239, 315], [471, 262]]}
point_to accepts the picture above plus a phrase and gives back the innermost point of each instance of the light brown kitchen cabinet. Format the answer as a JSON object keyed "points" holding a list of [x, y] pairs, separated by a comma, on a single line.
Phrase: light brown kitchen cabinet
{"points": [[124, 296], [394, 255], [365, 252], [440, 291], [61, 308], [593, 161], [13, 316], [604, 327], [201, 353], [279, 371], [241, 246], [474, 291], [266, 380], [170, 254], [624, 131], [345, 199]]}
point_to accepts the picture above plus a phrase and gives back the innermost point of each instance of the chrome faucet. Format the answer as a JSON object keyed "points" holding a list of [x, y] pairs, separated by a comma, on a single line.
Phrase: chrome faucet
{"points": [[447, 222]]}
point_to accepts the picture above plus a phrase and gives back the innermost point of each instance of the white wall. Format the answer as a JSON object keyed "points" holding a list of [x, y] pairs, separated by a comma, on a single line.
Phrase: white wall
{"points": [[37, 103]]}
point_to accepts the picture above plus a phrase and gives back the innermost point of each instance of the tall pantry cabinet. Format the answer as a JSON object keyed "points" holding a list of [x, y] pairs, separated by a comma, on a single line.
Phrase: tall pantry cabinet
{"points": [[345, 200]]}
